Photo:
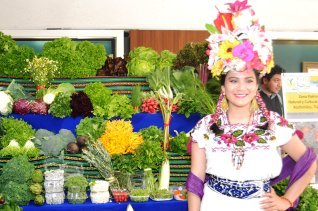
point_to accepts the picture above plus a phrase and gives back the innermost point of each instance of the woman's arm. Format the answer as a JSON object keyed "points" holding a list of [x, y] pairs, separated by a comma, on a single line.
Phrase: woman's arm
{"points": [[295, 148], [198, 168]]}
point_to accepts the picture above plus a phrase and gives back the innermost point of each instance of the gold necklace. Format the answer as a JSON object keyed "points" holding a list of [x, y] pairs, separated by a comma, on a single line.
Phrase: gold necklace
{"points": [[238, 152]]}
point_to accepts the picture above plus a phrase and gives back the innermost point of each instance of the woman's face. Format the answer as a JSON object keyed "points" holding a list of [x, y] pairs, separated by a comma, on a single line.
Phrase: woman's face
{"points": [[240, 88]]}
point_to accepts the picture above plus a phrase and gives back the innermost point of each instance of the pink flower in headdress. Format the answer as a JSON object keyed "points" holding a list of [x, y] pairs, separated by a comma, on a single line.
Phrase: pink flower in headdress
{"points": [[250, 137], [244, 51], [223, 20], [228, 138], [238, 6], [255, 64]]}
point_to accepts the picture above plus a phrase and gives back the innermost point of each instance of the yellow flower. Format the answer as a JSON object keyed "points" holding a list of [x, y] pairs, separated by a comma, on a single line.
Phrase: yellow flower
{"points": [[217, 68], [119, 138], [270, 65], [225, 49]]}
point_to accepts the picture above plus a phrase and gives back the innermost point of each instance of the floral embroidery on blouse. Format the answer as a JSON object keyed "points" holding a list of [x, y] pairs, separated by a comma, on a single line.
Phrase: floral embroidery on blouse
{"points": [[240, 135]]}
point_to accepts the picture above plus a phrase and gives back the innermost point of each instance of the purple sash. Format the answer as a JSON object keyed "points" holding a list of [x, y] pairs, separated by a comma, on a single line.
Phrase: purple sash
{"points": [[295, 170]]}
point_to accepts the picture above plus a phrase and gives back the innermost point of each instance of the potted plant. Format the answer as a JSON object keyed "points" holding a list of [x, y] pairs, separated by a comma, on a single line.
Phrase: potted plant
{"points": [[42, 70]]}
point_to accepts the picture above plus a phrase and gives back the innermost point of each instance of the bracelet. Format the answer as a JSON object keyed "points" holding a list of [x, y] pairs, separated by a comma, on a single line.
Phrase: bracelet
{"points": [[290, 202]]}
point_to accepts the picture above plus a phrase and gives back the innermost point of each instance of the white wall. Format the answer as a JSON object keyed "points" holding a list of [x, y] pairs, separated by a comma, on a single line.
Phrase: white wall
{"points": [[277, 15]]}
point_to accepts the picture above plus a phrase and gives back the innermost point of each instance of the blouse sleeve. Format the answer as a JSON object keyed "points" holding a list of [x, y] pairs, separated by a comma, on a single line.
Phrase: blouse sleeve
{"points": [[200, 132], [283, 129]]}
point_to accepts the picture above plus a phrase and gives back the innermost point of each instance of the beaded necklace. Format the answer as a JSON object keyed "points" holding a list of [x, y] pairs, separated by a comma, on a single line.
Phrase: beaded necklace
{"points": [[238, 152]]}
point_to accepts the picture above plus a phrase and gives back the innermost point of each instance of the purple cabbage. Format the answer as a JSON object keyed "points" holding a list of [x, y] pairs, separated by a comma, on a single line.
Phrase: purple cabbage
{"points": [[21, 106], [39, 107]]}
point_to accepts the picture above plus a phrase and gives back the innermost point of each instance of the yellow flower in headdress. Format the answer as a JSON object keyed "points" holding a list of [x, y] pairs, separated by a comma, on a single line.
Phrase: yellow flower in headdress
{"points": [[217, 68], [270, 64], [225, 49]]}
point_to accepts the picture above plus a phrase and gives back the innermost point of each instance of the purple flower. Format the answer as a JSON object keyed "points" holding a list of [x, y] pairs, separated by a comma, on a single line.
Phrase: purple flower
{"points": [[244, 51]]}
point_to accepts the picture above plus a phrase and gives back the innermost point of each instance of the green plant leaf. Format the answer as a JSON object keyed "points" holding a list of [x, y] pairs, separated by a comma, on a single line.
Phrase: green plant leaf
{"points": [[211, 28]]}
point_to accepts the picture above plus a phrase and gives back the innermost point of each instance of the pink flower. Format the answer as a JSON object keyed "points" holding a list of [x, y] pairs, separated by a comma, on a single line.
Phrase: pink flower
{"points": [[255, 64], [244, 51], [250, 137], [228, 138], [238, 6]]}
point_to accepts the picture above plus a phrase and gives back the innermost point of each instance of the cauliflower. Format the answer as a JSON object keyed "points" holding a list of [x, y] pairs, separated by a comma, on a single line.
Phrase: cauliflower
{"points": [[13, 149], [6, 103], [30, 149], [37, 176]]}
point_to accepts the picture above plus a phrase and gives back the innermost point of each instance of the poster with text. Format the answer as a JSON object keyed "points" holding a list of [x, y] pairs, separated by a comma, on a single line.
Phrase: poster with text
{"points": [[300, 96]]}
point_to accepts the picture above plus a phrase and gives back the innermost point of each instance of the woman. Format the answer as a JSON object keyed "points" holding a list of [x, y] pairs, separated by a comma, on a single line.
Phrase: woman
{"points": [[240, 146], [236, 151]]}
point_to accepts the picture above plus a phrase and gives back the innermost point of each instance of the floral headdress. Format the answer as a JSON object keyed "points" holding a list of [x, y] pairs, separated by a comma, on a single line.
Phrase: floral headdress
{"points": [[238, 41]]}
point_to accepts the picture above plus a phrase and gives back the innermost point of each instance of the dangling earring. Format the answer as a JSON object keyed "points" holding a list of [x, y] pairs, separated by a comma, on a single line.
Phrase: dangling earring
{"points": [[224, 104], [254, 105]]}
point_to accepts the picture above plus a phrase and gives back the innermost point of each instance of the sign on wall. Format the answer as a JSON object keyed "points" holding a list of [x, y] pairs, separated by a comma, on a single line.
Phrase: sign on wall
{"points": [[300, 95]]}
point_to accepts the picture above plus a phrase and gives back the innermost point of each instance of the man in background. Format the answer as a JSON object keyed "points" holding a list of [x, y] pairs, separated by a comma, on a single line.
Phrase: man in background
{"points": [[271, 85]]}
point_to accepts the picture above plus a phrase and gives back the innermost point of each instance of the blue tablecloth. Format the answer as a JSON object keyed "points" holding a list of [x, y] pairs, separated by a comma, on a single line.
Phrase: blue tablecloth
{"points": [[140, 120], [172, 205]]}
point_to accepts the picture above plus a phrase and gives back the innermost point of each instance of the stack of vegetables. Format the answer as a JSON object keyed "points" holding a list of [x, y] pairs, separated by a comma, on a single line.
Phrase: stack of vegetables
{"points": [[37, 187], [76, 188], [99, 191], [54, 186]]}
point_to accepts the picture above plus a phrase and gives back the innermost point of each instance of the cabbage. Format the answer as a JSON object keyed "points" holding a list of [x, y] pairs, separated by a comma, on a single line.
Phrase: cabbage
{"points": [[39, 107], [6, 103], [144, 53], [21, 106], [138, 67], [142, 61]]}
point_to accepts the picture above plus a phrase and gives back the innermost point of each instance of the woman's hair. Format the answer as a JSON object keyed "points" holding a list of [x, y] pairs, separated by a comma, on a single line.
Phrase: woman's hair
{"points": [[223, 76]]}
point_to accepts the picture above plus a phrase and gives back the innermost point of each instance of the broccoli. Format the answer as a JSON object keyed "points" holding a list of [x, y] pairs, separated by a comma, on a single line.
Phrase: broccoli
{"points": [[17, 193]]}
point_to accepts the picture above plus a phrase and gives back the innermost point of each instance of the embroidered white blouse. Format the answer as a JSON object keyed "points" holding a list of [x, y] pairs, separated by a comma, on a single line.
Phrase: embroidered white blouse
{"points": [[262, 157]]}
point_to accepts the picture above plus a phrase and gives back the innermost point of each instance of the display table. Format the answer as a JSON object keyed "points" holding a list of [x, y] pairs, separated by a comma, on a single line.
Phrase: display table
{"points": [[139, 121], [172, 205]]}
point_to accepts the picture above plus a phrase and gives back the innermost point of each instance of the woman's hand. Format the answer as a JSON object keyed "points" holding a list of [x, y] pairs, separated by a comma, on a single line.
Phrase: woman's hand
{"points": [[273, 202]]}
